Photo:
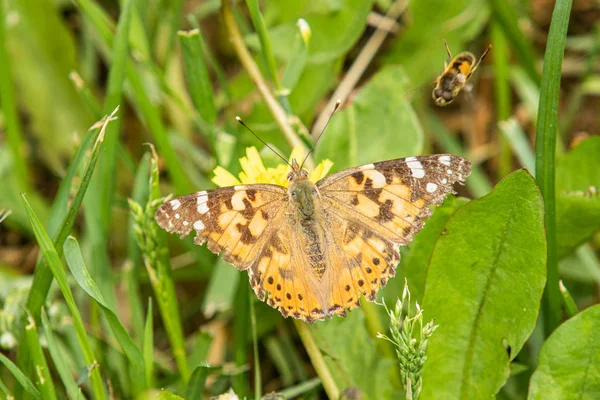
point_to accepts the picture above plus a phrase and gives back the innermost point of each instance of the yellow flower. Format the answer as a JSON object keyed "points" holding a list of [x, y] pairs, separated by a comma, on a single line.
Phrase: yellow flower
{"points": [[254, 171]]}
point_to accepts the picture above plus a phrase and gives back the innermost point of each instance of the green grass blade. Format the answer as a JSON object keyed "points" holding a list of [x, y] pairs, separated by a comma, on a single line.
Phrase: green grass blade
{"points": [[545, 152], [14, 134], [257, 379], [174, 20], [195, 387], [241, 337], [155, 125], [41, 371], [295, 66], [265, 42], [116, 77], [66, 375], [58, 271], [216, 68], [279, 358], [568, 301], [4, 389], [156, 258], [197, 75], [132, 272], [295, 392], [518, 141], [20, 377], [84, 280], [504, 14], [502, 91], [148, 346], [150, 113], [43, 276]]}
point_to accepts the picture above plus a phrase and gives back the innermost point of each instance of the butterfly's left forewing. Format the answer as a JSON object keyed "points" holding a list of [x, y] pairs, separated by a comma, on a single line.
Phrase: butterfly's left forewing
{"points": [[235, 221]]}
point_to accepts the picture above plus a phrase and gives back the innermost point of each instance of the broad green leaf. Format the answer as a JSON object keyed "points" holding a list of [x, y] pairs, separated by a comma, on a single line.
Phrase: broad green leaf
{"points": [[413, 266], [86, 282], [334, 31], [568, 366], [577, 205], [379, 124], [483, 287], [351, 352]]}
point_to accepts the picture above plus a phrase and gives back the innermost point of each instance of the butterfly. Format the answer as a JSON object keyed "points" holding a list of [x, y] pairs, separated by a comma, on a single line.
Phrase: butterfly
{"points": [[312, 249]]}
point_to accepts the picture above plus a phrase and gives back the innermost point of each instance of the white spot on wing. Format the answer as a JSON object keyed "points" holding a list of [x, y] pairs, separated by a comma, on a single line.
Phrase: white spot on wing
{"points": [[377, 178], [177, 215], [185, 223], [237, 200], [431, 187], [202, 197], [418, 173], [368, 166], [198, 225], [444, 181], [416, 168], [449, 171], [202, 208], [239, 187], [175, 204], [445, 160]]}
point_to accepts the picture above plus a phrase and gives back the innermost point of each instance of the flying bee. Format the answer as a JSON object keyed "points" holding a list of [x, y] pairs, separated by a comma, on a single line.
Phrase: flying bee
{"points": [[457, 72]]}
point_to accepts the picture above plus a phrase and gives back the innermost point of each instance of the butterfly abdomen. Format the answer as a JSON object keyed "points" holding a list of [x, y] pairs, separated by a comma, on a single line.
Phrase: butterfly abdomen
{"points": [[316, 254]]}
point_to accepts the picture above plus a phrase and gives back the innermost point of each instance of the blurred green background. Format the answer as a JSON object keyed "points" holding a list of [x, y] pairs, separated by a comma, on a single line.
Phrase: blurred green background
{"points": [[181, 70]]}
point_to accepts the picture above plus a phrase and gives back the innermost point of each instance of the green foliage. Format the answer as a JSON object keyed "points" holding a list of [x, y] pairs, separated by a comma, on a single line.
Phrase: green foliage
{"points": [[335, 26], [350, 352], [483, 287], [379, 109], [568, 365], [135, 314], [578, 203]]}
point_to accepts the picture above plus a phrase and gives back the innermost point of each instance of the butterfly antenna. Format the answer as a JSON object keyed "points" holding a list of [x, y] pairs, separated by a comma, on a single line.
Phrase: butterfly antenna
{"points": [[337, 105], [262, 141]]}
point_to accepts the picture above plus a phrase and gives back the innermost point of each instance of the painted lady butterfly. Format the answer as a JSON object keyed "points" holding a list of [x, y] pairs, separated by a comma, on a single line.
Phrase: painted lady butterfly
{"points": [[312, 249]]}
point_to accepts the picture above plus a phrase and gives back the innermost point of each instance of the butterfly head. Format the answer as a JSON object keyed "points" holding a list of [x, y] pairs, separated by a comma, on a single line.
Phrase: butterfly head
{"points": [[297, 172]]}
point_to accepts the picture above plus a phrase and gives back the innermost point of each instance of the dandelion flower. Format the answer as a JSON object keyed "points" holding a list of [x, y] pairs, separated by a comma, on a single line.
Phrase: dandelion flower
{"points": [[254, 171]]}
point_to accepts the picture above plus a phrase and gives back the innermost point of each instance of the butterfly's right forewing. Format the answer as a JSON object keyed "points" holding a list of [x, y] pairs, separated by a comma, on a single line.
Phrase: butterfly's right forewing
{"points": [[372, 209]]}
